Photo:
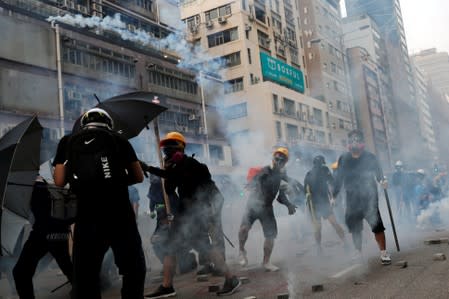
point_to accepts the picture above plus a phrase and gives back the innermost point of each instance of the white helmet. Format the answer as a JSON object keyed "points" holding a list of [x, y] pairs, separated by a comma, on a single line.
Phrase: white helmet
{"points": [[97, 117], [398, 163], [421, 171]]}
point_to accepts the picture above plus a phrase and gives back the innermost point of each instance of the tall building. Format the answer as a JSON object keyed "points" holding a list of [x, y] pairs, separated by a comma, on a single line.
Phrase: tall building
{"points": [[388, 17], [362, 32], [435, 65], [326, 64], [57, 68], [368, 103], [266, 98]]}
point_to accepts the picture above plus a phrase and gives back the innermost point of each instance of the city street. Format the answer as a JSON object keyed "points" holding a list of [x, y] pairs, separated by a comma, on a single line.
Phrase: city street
{"points": [[303, 274]]}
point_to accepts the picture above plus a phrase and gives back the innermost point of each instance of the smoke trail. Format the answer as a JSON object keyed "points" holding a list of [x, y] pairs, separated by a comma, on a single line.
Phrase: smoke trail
{"points": [[434, 215], [193, 57]]}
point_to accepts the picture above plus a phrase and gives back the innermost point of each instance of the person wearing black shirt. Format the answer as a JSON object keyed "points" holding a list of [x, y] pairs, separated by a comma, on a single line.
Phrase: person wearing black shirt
{"points": [[196, 219], [318, 183], [263, 189], [105, 217], [359, 171], [49, 235]]}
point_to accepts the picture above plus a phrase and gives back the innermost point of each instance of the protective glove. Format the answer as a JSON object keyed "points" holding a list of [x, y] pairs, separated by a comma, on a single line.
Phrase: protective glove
{"points": [[291, 209]]}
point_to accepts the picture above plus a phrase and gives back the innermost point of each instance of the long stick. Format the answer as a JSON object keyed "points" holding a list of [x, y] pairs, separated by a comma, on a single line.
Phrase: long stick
{"points": [[387, 198], [58, 287], [161, 162]]}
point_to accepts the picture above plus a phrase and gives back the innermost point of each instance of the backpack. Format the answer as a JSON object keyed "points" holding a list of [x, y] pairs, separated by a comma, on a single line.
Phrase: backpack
{"points": [[252, 172], [93, 159]]}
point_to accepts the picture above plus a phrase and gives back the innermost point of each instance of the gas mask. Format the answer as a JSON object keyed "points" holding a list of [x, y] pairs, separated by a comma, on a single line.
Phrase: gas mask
{"points": [[173, 151], [279, 161], [356, 145]]}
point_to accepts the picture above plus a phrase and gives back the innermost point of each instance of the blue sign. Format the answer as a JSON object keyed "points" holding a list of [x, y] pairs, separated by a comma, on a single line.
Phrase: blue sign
{"points": [[276, 70]]}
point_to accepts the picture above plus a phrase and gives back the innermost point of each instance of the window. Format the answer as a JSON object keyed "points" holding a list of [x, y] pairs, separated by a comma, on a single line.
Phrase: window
{"points": [[249, 55], [292, 133], [275, 103], [222, 37], [218, 12], [193, 22], [236, 111], [260, 14], [216, 152], [232, 59], [278, 130], [289, 107], [233, 85]]}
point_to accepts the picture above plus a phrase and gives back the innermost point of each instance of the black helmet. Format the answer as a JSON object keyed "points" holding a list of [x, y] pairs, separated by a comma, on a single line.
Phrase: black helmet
{"points": [[97, 117], [318, 161]]}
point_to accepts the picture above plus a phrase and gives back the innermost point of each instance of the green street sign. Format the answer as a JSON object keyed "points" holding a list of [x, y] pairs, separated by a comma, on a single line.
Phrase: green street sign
{"points": [[275, 70]]}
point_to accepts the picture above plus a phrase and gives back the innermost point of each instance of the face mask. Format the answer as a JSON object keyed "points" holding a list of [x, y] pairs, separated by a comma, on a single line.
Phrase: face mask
{"points": [[356, 148], [279, 161]]}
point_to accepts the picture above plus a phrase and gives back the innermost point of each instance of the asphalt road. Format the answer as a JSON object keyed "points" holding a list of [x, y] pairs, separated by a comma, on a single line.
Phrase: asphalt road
{"points": [[338, 274]]}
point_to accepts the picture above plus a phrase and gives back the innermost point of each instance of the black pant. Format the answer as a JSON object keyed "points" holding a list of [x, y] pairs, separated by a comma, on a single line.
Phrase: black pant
{"points": [[37, 245], [91, 241]]}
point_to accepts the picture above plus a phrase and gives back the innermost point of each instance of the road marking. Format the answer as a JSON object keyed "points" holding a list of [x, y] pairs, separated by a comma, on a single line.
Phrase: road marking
{"points": [[345, 271]]}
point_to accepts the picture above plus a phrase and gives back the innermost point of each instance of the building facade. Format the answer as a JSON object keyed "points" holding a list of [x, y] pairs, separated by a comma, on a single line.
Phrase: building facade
{"points": [[388, 18], [266, 99], [56, 69], [435, 65]]}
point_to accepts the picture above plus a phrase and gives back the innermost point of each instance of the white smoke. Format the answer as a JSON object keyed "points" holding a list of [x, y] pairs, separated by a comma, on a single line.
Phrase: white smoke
{"points": [[435, 215], [193, 57]]}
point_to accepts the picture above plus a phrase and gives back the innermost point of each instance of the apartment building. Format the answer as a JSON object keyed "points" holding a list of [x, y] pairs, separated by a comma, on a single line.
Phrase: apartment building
{"points": [[326, 63], [57, 69], [266, 98], [435, 65], [388, 18]]}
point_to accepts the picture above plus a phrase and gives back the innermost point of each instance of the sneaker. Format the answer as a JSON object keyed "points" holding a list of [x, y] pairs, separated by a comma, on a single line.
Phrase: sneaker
{"points": [[162, 292], [243, 258], [385, 258], [230, 286], [206, 269], [269, 267]]}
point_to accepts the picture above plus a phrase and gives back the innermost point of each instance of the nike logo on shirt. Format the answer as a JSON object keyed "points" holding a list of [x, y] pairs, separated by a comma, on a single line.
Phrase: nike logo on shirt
{"points": [[89, 141]]}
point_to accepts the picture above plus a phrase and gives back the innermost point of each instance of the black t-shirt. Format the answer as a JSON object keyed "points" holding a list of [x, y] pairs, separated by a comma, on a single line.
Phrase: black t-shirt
{"points": [[265, 185], [97, 200], [358, 174], [319, 179]]}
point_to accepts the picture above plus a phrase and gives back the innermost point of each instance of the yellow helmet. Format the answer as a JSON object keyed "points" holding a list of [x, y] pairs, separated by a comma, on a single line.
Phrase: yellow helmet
{"points": [[334, 165], [281, 150], [176, 136]]}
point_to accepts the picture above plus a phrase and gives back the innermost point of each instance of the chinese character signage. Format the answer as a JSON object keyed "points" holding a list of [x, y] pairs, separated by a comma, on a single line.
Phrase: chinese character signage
{"points": [[275, 70]]}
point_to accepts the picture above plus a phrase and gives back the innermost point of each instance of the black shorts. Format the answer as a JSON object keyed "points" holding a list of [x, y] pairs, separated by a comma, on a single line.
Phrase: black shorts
{"points": [[363, 206], [265, 215], [322, 208]]}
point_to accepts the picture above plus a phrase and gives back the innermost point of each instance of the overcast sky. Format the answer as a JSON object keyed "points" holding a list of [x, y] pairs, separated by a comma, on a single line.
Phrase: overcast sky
{"points": [[426, 24]]}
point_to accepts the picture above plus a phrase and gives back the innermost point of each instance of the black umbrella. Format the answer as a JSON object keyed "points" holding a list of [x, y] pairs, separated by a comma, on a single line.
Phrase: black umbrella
{"points": [[131, 112], [19, 166]]}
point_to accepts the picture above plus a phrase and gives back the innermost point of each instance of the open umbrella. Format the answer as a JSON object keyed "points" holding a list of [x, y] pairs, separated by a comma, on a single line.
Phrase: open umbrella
{"points": [[19, 166], [131, 112]]}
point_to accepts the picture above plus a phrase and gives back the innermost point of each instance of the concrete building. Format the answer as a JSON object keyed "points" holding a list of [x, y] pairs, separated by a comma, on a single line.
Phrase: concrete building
{"points": [[266, 98], [388, 17], [325, 62], [425, 118], [436, 67], [55, 69], [362, 32], [368, 103]]}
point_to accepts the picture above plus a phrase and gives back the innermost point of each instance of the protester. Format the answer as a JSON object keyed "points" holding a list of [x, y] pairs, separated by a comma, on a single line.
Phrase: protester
{"points": [[263, 189], [318, 184], [99, 165], [195, 220], [403, 183], [49, 235], [358, 171], [186, 260]]}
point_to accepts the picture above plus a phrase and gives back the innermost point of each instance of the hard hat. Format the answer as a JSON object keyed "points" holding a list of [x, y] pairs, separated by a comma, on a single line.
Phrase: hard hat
{"points": [[173, 136], [398, 163], [421, 171], [97, 117], [281, 150]]}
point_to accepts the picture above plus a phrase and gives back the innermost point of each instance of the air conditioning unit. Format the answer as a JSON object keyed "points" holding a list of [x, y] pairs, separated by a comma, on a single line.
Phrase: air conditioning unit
{"points": [[192, 117], [222, 20], [251, 18], [81, 8], [201, 130], [194, 29], [209, 24], [247, 27]]}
